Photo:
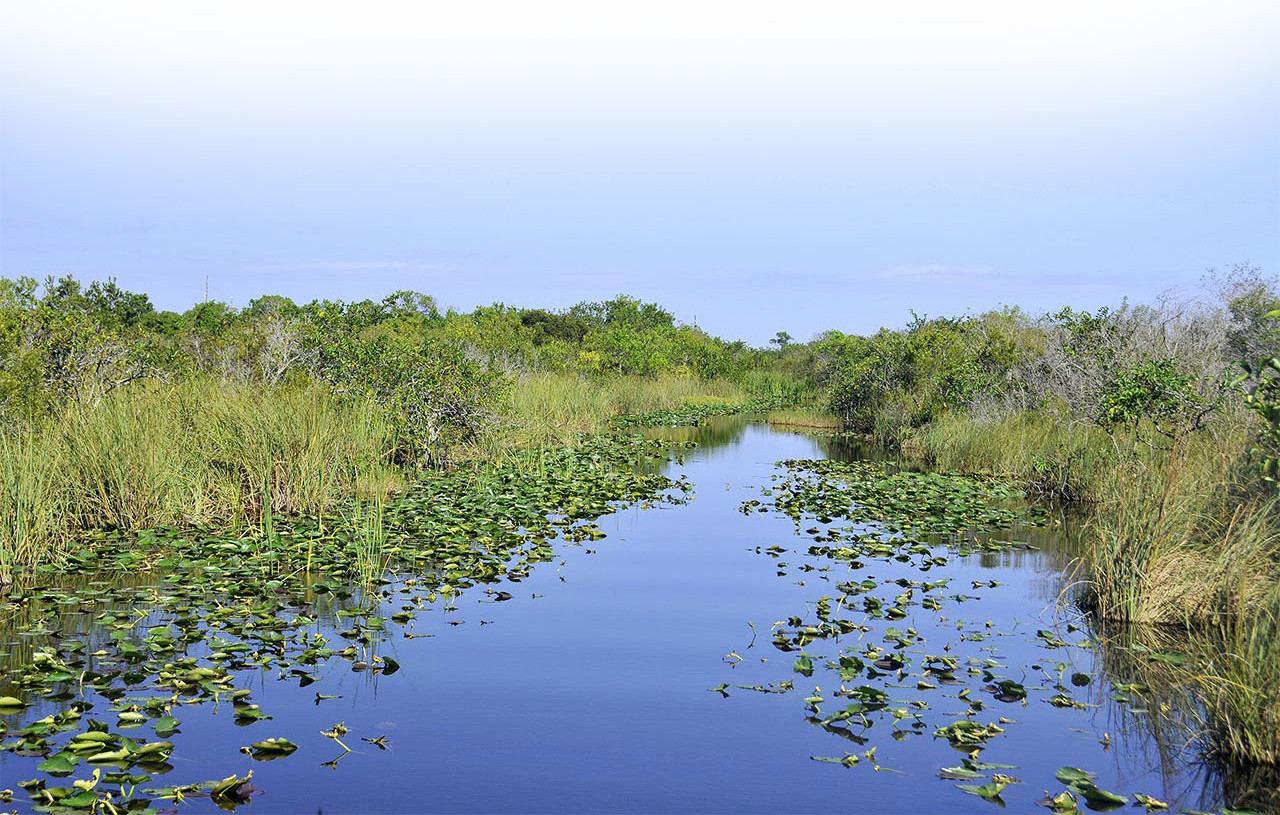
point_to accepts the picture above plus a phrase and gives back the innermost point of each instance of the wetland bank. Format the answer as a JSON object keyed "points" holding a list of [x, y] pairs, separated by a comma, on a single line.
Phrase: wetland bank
{"points": [[374, 557]]}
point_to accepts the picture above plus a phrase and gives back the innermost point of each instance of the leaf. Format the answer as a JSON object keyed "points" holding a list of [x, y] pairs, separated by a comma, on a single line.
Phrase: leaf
{"points": [[59, 764], [960, 773], [1071, 775], [272, 748], [166, 726], [1062, 802], [109, 757], [232, 791], [989, 791], [1081, 781], [1100, 797]]}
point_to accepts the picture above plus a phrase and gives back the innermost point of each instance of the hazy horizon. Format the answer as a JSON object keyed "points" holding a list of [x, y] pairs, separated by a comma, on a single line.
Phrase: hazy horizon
{"points": [[751, 168]]}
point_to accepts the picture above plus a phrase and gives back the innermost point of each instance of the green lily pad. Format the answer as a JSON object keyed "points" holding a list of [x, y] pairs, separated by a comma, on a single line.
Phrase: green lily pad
{"points": [[272, 749]]}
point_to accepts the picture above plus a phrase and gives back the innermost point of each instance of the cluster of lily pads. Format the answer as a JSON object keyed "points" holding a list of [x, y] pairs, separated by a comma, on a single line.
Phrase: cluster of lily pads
{"points": [[136, 628], [862, 641]]}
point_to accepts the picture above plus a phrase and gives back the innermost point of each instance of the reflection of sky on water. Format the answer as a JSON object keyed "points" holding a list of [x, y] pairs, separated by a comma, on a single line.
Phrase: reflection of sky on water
{"points": [[588, 690]]}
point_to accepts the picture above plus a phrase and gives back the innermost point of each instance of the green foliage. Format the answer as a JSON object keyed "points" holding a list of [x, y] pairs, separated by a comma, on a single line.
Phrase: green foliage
{"points": [[211, 318], [433, 392], [68, 344], [1156, 390], [1089, 335], [82, 369], [916, 375], [547, 326], [1263, 398], [1252, 303]]}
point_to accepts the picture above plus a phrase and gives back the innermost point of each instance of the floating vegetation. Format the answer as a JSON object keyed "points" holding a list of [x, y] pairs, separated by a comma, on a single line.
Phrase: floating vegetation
{"points": [[200, 613], [864, 639]]}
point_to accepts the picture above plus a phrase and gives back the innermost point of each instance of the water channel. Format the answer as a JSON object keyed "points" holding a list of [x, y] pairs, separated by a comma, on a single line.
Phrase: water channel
{"points": [[591, 689]]}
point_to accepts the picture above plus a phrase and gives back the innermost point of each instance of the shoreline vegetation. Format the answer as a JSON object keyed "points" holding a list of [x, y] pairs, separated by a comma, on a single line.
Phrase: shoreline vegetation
{"points": [[1160, 420]]}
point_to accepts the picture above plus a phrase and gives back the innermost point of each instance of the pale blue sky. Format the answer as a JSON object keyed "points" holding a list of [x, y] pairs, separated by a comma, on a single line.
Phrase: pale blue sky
{"points": [[758, 167]]}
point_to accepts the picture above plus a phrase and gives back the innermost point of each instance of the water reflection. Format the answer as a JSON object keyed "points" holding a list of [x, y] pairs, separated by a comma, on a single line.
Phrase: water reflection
{"points": [[587, 690]]}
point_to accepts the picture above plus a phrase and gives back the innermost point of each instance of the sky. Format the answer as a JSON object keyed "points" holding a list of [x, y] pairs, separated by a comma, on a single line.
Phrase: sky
{"points": [[753, 167]]}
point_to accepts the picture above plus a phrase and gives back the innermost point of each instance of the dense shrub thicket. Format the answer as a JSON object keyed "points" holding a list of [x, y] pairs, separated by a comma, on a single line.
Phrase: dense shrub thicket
{"points": [[1167, 368], [440, 375]]}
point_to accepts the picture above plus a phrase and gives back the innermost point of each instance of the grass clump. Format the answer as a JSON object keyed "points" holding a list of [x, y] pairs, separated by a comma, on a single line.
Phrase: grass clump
{"points": [[200, 453], [549, 409], [1242, 685], [805, 419], [32, 506], [1182, 538], [1044, 451]]}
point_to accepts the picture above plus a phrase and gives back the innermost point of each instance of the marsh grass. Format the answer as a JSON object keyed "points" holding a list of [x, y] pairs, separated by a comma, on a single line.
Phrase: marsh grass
{"points": [[1180, 539], [796, 418], [551, 409], [1218, 705], [32, 511], [1175, 536], [1043, 450], [366, 525], [200, 453], [1242, 686], [213, 453]]}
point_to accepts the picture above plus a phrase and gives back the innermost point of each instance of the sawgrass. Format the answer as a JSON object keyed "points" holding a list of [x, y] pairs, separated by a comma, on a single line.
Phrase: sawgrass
{"points": [[202, 452], [553, 408]]}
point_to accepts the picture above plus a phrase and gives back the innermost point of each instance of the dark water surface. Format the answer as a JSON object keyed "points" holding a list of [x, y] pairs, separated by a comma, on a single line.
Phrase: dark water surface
{"points": [[588, 691]]}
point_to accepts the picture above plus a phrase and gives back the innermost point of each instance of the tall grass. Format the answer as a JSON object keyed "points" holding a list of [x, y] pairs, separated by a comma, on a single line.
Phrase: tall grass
{"points": [[1173, 537], [32, 507], [210, 452], [1176, 540], [805, 419], [1243, 684], [201, 452], [1042, 450], [790, 389], [552, 408], [1178, 537]]}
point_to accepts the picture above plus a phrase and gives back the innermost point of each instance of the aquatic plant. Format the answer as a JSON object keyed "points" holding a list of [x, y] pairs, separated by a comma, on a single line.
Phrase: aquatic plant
{"points": [[222, 607]]}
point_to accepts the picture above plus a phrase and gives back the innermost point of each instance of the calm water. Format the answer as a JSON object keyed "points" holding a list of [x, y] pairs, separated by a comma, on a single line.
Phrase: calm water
{"points": [[588, 691]]}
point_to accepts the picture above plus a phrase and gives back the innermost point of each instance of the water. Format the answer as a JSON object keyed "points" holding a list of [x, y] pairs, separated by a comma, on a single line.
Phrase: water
{"points": [[588, 691]]}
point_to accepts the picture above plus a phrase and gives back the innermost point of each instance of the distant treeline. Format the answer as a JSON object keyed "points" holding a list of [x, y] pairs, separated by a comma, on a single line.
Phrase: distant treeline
{"points": [[441, 373]]}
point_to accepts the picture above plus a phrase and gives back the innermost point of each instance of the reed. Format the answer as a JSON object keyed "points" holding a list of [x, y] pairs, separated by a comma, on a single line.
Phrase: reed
{"points": [[1179, 539], [805, 420], [1043, 450], [202, 452], [550, 409], [1242, 685], [32, 511]]}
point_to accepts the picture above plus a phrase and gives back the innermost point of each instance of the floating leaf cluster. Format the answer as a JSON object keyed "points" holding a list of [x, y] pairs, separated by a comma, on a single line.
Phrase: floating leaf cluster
{"points": [[137, 628], [865, 515]]}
